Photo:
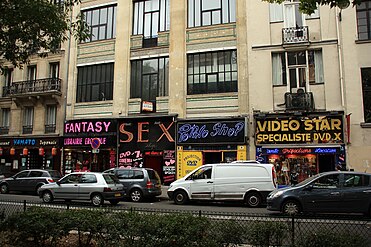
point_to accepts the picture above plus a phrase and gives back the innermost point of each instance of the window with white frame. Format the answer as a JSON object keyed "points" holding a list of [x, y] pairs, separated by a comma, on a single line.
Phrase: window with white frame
{"points": [[289, 12], [31, 72], [101, 22], [54, 70], [206, 12], [297, 69], [50, 118], [151, 17], [28, 119], [8, 73]]}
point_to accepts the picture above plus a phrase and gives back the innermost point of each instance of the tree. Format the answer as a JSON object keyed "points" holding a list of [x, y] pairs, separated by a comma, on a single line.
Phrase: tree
{"points": [[29, 27], [309, 6]]}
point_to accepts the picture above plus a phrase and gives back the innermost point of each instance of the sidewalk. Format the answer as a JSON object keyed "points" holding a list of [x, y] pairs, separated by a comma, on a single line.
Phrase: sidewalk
{"points": [[163, 195]]}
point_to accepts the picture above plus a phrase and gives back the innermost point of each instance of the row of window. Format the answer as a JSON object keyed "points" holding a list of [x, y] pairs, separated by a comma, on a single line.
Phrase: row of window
{"points": [[153, 16], [28, 120]]}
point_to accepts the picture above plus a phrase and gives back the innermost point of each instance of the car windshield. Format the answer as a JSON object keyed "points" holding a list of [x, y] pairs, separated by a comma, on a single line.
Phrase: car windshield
{"points": [[308, 180], [110, 179]]}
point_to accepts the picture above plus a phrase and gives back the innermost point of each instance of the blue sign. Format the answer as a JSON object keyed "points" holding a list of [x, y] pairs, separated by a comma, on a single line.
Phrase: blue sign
{"points": [[23, 142]]}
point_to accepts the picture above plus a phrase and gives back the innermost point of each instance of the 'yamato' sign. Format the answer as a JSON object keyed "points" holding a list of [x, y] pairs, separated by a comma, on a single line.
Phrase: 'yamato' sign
{"points": [[320, 129]]}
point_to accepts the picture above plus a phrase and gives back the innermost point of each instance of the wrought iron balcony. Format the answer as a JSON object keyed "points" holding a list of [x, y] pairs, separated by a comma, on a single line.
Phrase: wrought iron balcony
{"points": [[50, 128], [4, 130], [27, 129], [299, 101], [294, 35], [39, 86]]}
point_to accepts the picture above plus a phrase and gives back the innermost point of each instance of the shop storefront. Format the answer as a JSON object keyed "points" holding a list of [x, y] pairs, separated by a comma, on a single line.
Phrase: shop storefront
{"points": [[89, 145], [208, 141], [300, 146], [18, 154], [148, 142]]}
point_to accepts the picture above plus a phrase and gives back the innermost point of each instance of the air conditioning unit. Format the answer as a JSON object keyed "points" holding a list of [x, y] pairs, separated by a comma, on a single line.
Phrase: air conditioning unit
{"points": [[298, 90], [299, 101]]}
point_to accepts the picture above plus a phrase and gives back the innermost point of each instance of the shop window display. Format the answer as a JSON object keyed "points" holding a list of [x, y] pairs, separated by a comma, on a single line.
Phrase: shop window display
{"points": [[292, 169]]}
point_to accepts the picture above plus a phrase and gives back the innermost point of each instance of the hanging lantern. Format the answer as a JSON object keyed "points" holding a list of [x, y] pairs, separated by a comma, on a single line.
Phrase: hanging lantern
{"points": [[41, 151], [1, 151], [12, 151], [54, 151], [25, 151]]}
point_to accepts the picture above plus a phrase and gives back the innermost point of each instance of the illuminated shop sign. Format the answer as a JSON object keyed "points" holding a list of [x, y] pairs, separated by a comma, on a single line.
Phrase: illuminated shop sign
{"points": [[24, 142], [211, 132], [313, 130], [77, 127], [320, 150]]}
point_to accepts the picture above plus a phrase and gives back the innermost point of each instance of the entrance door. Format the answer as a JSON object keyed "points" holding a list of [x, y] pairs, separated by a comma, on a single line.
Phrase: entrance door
{"points": [[154, 162], [326, 162], [212, 157]]}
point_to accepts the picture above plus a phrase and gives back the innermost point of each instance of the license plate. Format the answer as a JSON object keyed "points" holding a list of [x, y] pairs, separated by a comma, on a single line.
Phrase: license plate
{"points": [[118, 194]]}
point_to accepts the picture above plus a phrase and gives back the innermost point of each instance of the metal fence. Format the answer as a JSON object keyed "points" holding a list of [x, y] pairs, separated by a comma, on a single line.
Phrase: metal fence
{"points": [[294, 229]]}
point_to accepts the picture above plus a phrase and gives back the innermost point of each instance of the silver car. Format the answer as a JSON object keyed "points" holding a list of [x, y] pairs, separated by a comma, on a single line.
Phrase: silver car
{"points": [[93, 186]]}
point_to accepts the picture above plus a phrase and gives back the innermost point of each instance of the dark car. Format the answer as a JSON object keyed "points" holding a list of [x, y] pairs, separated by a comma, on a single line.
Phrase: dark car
{"points": [[139, 183], [29, 180], [329, 192]]}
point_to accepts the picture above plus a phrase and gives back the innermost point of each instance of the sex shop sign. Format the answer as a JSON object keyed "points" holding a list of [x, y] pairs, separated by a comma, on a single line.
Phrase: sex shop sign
{"points": [[299, 129]]}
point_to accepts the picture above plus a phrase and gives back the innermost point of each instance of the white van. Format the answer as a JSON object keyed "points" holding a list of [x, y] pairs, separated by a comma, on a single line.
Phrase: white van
{"points": [[247, 181]]}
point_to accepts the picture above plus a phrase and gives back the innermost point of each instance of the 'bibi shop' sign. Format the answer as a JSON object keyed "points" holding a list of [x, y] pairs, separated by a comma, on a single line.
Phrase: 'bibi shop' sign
{"points": [[216, 132]]}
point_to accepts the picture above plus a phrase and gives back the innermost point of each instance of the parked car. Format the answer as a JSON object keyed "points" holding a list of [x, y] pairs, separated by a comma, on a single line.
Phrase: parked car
{"points": [[92, 186], [139, 183], [247, 181], [29, 180], [329, 192]]}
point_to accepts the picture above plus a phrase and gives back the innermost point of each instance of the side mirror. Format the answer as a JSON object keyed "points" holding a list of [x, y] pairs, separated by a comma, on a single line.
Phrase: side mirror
{"points": [[58, 182]]}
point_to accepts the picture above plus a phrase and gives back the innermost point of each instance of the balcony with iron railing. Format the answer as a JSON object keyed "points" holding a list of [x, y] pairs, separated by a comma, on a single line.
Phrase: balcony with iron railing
{"points": [[50, 128], [34, 87], [27, 129], [295, 35], [4, 130]]}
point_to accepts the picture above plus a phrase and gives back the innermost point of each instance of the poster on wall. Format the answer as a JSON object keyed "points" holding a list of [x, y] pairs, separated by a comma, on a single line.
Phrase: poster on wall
{"points": [[190, 161], [169, 166]]}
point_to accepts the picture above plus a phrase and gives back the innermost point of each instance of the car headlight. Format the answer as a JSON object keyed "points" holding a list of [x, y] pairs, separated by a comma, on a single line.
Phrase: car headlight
{"points": [[276, 194]]}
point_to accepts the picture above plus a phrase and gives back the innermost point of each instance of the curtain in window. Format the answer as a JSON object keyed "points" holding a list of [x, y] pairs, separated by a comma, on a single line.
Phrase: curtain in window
{"points": [[276, 12], [277, 69], [318, 66]]}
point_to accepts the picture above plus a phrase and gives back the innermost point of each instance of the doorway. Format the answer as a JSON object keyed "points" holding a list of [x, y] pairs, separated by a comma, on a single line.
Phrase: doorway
{"points": [[212, 157], [154, 162], [326, 162]]}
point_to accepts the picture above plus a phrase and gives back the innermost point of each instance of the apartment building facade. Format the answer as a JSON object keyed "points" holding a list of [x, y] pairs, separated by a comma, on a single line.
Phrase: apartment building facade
{"points": [[172, 85]]}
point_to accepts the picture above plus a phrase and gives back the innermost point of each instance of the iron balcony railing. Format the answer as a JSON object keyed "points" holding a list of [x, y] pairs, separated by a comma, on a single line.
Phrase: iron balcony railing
{"points": [[33, 86], [50, 128], [293, 35], [27, 129], [299, 101], [4, 130]]}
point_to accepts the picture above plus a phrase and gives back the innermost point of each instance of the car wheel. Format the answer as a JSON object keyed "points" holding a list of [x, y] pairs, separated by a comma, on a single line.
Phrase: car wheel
{"points": [[180, 197], [97, 200], [114, 202], [291, 207], [253, 200], [136, 195], [4, 189], [47, 197]]}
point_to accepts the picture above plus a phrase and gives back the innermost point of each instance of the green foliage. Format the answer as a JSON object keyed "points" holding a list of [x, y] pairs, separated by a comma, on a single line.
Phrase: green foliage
{"points": [[309, 6], [30, 27], [267, 233], [331, 238], [35, 227]]}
